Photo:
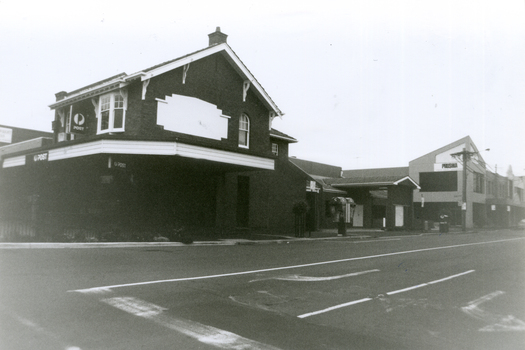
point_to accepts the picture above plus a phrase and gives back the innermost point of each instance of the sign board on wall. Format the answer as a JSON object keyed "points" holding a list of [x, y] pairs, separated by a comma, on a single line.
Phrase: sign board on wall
{"points": [[37, 158], [448, 167], [311, 186], [78, 124], [444, 161], [6, 135]]}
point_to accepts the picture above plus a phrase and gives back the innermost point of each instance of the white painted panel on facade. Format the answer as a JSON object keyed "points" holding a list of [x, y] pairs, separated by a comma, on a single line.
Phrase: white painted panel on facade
{"points": [[15, 161], [445, 162], [192, 116], [445, 157], [6, 135], [358, 216], [399, 216]]}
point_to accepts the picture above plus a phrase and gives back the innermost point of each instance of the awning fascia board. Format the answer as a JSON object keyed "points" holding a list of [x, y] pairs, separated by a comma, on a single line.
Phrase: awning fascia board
{"points": [[164, 148]]}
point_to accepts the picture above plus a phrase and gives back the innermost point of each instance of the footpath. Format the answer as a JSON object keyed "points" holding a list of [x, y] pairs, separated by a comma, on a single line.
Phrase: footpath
{"points": [[249, 239]]}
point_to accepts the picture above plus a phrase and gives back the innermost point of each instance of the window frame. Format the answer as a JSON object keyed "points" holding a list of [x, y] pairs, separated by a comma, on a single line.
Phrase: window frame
{"points": [[117, 101], [275, 149], [244, 120], [479, 182]]}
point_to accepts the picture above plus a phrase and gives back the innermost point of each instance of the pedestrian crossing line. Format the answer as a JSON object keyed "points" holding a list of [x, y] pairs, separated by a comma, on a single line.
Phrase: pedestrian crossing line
{"points": [[203, 333], [389, 293]]}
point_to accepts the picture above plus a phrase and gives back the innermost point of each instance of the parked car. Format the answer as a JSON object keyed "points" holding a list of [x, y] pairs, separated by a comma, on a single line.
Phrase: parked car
{"points": [[521, 224]]}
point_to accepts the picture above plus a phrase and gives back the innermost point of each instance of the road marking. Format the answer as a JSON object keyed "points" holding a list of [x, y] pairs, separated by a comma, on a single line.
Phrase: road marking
{"points": [[41, 330], [300, 278], [407, 289], [496, 322], [108, 288], [357, 242], [389, 293], [429, 283], [205, 334], [334, 308]]}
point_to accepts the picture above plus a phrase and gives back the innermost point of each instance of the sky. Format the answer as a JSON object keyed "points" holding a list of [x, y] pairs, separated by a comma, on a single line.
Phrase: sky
{"points": [[363, 84]]}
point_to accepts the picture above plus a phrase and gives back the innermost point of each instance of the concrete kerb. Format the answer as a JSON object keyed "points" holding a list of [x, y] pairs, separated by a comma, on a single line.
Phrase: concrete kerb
{"points": [[226, 242]]}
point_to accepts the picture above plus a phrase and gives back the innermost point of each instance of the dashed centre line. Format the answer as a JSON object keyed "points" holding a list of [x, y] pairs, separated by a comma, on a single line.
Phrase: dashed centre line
{"points": [[389, 293], [108, 288]]}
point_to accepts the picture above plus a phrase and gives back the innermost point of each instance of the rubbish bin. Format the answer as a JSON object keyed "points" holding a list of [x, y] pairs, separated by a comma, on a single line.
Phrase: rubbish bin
{"points": [[443, 227]]}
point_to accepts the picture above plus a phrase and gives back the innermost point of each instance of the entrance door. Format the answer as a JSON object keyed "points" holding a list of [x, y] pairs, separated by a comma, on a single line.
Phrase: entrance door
{"points": [[312, 214], [243, 201], [358, 216], [400, 216]]}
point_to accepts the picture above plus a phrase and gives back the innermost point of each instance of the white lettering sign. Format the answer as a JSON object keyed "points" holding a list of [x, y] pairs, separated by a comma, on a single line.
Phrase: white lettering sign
{"points": [[40, 157], [447, 167], [37, 158]]}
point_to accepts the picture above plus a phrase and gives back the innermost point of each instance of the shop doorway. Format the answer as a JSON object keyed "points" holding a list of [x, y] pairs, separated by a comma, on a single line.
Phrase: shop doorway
{"points": [[400, 216], [358, 216], [243, 201]]}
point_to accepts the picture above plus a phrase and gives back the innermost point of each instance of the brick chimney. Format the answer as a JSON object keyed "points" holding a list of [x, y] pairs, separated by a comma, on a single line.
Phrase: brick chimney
{"points": [[60, 95], [217, 37]]}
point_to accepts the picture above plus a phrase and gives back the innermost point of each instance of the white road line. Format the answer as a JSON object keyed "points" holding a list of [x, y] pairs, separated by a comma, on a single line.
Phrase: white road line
{"points": [[429, 283], [107, 288], [451, 277], [357, 242], [389, 293], [334, 307], [407, 289], [299, 278], [205, 334]]}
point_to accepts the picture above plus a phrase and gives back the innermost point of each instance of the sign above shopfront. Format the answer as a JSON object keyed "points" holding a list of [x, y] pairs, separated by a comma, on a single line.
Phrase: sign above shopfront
{"points": [[311, 186], [448, 167], [37, 158]]}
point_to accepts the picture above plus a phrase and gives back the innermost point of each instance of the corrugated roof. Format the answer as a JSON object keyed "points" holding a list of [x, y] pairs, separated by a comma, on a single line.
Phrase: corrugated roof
{"points": [[398, 172], [326, 187], [372, 181], [314, 168]]}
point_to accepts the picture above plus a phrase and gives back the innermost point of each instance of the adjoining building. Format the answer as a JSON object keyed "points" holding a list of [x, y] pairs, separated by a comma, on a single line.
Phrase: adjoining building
{"points": [[383, 196], [319, 193], [505, 201], [454, 180], [13, 139]]}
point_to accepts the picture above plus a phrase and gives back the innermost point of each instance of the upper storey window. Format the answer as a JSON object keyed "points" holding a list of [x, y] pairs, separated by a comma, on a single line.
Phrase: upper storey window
{"points": [[244, 131], [112, 112]]}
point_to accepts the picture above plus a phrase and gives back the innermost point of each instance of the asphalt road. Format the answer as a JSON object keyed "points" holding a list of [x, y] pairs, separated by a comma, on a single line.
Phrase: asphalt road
{"points": [[450, 291]]}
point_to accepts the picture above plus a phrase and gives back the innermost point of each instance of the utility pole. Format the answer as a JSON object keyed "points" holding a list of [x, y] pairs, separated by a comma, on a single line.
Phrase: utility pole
{"points": [[465, 156]]}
